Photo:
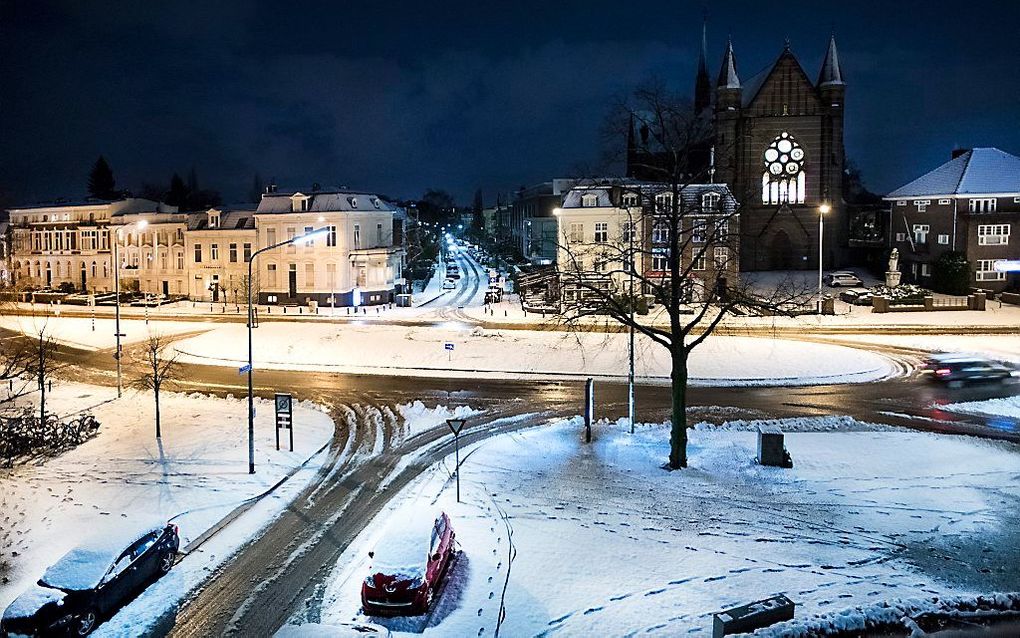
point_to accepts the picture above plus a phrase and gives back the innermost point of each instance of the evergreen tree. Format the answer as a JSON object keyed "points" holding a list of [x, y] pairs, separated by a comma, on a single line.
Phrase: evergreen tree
{"points": [[951, 274], [101, 182], [178, 193]]}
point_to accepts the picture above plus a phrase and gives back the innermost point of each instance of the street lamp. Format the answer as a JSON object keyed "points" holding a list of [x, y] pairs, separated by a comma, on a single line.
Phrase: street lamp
{"points": [[141, 224], [822, 211], [456, 425], [307, 237]]}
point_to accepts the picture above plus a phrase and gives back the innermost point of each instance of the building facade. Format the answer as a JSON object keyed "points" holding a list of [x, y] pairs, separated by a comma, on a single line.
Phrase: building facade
{"points": [[599, 226], [777, 141], [220, 244], [355, 263], [68, 244], [970, 204]]}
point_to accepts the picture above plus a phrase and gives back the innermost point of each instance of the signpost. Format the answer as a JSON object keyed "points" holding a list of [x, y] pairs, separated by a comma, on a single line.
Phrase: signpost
{"points": [[245, 368], [449, 351], [589, 408], [284, 417], [456, 425]]}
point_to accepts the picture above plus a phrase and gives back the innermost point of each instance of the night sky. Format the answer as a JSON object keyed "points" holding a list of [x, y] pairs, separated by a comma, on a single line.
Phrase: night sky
{"points": [[399, 97]]}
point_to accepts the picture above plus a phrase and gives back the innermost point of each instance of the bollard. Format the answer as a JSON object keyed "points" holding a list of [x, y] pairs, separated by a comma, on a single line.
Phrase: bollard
{"points": [[300, 310], [348, 310], [285, 310]]}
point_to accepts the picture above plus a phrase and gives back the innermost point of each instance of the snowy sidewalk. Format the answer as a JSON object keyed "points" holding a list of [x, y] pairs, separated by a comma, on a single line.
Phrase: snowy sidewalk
{"points": [[579, 540], [196, 475]]}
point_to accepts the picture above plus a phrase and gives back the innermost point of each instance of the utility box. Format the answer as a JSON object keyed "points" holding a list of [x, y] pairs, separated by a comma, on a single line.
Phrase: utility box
{"points": [[772, 448], [404, 300], [756, 615]]}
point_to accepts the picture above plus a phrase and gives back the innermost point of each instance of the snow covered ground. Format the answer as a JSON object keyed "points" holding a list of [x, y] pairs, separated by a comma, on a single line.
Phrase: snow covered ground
{"points": [[196, 475], [582, 540], [1002, 347], [78, 332], [1005, 407], [400, 350]]}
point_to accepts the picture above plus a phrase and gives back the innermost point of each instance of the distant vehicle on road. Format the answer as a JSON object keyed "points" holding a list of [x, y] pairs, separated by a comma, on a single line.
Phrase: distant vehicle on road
{"points": [[843, 278], [449, 284], [955, 370], [89, 583], [404, 579]]}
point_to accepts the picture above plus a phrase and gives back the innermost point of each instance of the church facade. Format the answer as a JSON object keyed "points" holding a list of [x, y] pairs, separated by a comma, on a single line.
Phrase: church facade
{"points": [[777, 141]]}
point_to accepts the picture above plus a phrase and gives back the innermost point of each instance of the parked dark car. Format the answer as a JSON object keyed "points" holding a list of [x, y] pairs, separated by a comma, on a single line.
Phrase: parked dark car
{"points": [[955, 370], [404, 579], [90, 583]]}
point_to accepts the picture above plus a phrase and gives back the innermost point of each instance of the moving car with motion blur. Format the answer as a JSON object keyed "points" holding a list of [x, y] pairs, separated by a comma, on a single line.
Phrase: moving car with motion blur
{"points": [[405, 573], [955, 370], [91, 582]]}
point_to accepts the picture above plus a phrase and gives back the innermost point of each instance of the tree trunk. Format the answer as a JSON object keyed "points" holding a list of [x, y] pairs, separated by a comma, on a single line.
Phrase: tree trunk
{"points": [[678, 432], [156, 393]]}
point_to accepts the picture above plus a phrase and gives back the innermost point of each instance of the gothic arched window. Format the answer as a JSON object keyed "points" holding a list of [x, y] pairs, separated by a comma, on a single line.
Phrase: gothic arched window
{"points": [[783, 178]]}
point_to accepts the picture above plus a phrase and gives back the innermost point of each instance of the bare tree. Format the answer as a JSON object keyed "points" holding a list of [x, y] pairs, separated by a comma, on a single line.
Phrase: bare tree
{"points": [[160, 366], [673, 244]]}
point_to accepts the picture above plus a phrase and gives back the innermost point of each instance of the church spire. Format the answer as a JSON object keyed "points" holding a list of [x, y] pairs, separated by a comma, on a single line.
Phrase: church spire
{"points": [[728, 73], [831, 73], [702, 85]]}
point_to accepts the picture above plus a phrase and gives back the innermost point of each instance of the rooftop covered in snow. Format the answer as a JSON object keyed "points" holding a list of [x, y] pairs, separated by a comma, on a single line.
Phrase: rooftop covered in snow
{"points": [[979, 171]]}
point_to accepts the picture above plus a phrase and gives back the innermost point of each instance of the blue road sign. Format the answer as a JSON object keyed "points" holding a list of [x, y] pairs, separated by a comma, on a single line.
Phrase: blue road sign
{"points": [[245, 368], [448, 346]]}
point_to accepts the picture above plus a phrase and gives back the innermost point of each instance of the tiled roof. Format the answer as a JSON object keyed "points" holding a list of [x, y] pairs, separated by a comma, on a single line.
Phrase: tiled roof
{"points": [[980, 171]]}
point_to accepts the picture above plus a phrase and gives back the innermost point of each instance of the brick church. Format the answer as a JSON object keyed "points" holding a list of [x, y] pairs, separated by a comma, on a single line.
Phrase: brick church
{"points": [[777, 141]]}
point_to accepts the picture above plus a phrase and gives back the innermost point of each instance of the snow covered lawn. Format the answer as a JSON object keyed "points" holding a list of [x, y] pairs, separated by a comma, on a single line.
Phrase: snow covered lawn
{"points": [[196, 475], [1005, 407], [400, 350], [584, 540], [78, 332]]}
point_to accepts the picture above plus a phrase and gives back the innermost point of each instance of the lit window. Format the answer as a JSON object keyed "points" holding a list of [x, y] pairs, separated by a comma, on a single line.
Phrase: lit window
{"points": [[944, 239], [986, 271], [660, 233], [926, 270], [710, 201], [331, 236], [985, 205], [943, 202], [630, 199], [901, 237], [921, 233], [993, 234], [311, 242], [783, 180]]}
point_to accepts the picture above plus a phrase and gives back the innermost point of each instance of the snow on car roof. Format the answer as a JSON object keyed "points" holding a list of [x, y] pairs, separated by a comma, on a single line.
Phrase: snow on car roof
{"points": [[31, 601], [85, 566], [405, 548]]}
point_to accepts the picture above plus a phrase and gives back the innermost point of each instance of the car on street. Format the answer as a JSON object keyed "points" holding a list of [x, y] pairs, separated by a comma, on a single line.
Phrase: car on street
{"points": [[91, 582], [449, 284], [407, 569], [843, 278], [955, 370]]}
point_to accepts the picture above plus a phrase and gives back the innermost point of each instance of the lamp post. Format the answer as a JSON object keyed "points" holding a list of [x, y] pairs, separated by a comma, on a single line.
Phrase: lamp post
{"points": [[456, 425], [631, 266], [116, 279], [251, 399], [822, 210]]}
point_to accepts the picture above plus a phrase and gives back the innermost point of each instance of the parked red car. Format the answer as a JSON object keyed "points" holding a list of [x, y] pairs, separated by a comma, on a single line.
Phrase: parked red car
{"points": [[404, 579]]}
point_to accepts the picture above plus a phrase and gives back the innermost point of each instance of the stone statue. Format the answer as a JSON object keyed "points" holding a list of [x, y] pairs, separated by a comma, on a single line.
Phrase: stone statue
{"points": [[892, 276]]}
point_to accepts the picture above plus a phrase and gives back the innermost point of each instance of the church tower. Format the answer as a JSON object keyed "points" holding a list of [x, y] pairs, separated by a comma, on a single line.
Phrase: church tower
{"points": [[779, 145], [702, 85]]}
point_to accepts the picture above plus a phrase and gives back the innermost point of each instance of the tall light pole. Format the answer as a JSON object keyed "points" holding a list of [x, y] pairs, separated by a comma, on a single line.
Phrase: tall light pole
{"points": [[251, 398], [822, 210], [631, 267], [116, 279]]}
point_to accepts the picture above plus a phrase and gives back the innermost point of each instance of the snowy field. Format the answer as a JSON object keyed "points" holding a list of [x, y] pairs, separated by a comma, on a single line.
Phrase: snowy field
{"points": [[580, 540], [1008, 407], [399, 350], [1001, 347], [196, 475], [78, 332]]}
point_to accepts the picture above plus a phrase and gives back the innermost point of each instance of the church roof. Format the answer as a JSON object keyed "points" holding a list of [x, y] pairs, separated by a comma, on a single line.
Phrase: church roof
{"points": [[754, 85], [831, 72], [980, 171], [728, 73]]}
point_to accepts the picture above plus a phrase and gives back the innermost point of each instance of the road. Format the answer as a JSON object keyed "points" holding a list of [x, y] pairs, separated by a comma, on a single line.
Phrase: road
{"points": [[282, 572]]}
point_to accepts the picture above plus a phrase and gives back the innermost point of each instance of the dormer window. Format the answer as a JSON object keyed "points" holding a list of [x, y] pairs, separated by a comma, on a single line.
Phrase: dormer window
{"points": [[214, 219], [589, 200], [630, 200], [353, 201], [299, 203], [375, 202], [710, 201]]}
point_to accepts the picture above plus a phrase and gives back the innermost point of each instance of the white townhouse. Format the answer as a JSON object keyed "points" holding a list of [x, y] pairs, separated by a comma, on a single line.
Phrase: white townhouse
{"points": [[358, 261]]}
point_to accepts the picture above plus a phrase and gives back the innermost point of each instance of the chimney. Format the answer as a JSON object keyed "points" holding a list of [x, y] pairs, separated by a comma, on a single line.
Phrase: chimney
{"points": [[959, 151]]}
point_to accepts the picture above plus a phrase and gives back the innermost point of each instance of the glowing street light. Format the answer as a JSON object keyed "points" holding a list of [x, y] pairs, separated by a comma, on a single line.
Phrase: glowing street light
{"points": [[822, 211]]}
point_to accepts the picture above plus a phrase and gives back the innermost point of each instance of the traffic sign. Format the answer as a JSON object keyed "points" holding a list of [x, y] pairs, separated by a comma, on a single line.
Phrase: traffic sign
{"points": [[448, 346], [1006, 265], [245, 368]]}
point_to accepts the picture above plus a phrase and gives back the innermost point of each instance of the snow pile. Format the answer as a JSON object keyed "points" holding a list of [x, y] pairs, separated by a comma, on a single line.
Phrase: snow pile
{"points": [[419, 418], [1007, 407], [889, 614], [798, 424]]}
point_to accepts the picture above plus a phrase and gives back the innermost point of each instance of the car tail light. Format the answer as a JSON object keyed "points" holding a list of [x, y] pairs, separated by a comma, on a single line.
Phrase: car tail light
{"points": [[176, 529], [942, 372]]}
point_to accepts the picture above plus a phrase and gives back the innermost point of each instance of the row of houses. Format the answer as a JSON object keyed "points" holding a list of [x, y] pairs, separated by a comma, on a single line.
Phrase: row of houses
{"points": [[968, 205], [358, 258]]}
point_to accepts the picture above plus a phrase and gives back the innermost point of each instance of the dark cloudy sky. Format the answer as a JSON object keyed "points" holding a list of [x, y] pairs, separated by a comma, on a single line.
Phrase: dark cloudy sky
{"points": [[398, 97]]}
